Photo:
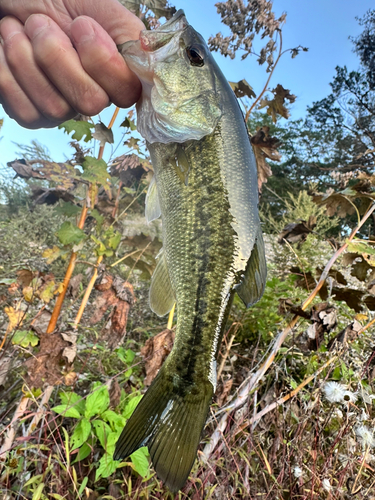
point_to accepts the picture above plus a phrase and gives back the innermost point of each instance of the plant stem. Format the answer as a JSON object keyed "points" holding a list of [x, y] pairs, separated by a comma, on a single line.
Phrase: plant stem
{"points": [[88, 291], [268, 80], [68, 275], [73, 257]]}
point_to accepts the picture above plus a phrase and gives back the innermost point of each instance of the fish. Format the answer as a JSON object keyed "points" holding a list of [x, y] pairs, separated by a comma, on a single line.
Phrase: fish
{"points": [[205, 190]]}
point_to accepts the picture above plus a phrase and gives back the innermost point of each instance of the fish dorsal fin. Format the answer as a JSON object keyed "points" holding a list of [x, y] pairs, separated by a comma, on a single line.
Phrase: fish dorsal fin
{"points": [[251, 289], [152, 209], [161, 295]]}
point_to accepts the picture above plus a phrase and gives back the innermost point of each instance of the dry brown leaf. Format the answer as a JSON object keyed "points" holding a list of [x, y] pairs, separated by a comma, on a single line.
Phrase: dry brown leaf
{"points": [[50, 196], [41, 321], [24, 170], [155, 350], [223, 392], [242, 89], [339, 203], [360, 269], [15, 318], [129, 168], [297, 232], [276, 106], [348, 334], [70, 378], [117, 294], [103, 134], [114, 394], [70, 352], [264, 147], [264, 170], [324, 320], [25, 277], [73, 287], [46, 365]]}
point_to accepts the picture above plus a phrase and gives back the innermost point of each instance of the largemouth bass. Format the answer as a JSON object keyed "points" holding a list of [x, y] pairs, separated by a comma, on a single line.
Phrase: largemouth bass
{"points": [[206, 192]]}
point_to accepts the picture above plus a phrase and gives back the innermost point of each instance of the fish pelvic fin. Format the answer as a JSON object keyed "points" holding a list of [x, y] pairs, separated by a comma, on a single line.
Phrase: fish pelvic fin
{"points": [[251, 289], [161, 293], [169, 421]]}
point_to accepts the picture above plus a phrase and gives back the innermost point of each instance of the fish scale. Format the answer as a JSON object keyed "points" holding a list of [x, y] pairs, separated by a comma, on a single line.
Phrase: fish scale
{"points": [[206, 192], [200, 259]]}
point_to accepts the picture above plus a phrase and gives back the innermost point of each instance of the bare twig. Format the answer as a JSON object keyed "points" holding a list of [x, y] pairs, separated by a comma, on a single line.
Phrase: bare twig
{"points": [[88, 291], [41, 411]]}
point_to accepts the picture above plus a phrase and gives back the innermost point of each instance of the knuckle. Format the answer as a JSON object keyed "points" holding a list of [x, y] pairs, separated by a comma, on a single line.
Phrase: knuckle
{"points": [[93, 102]]}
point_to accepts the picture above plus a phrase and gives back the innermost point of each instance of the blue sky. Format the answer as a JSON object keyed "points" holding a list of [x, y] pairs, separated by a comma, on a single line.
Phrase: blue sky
{"points": [[321, 25]]}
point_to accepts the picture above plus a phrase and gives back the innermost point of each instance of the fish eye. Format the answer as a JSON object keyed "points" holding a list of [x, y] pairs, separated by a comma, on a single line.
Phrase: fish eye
{"points": [[195, 56]]}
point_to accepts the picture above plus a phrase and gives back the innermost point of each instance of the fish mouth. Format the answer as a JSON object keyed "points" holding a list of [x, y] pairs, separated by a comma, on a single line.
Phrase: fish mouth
{"points": [[155, 39]]}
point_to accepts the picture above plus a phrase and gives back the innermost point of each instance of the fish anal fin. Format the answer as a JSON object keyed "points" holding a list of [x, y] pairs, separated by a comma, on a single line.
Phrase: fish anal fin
{"points": [[251, 289], [169, 422], [161, 292]]}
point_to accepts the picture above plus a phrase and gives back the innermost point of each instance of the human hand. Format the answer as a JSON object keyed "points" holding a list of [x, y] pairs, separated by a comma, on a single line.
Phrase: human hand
{"points": [[59, 58]]}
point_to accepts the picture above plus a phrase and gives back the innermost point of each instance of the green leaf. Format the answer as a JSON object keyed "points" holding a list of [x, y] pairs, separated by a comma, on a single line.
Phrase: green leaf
{"points": [[25, 339], [99, 218], [80, 129], [115, 420], [127, 356], [358, 246], [95, 170], [70, 233], [66, 411], [112, 439], [7, 281], [83, 485], [80, 434], [37, 495], [131, 405], [83, 452], [107, 466], [140, 461], [336, 375], [97, 402], [68, 209], [73, 399], [114, 240], [129, 124], [102, 431]]}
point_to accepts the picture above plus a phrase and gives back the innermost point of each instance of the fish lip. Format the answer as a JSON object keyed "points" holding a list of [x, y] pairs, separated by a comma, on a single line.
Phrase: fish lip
{"points": [[172, 22], [177, 22]]}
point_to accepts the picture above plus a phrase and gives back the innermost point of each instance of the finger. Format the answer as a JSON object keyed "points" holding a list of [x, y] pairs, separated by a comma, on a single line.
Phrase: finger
{"points": [[55, 55], [121, 24], [102, 61], [20, 59], [15, 102]]}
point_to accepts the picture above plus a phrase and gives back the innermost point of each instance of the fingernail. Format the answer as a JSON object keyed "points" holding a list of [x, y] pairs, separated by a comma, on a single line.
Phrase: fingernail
{"points": [[36, 24], [82, 31]]}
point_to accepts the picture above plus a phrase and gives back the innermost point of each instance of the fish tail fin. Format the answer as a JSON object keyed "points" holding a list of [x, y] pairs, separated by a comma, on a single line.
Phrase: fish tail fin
{"points": [[169, 421]]}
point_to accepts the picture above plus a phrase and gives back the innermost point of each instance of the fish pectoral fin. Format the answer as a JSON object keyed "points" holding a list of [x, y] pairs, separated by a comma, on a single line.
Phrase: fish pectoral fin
{"points": [[169, 422], [152, 209], [161, 293], [251, 289]]}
